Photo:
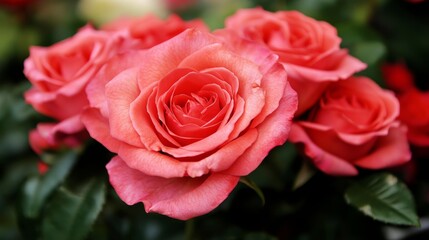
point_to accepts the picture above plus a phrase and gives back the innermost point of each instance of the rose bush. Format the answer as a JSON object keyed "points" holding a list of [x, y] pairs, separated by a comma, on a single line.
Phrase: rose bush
{"points": [[187, 118], [353, 124], [309, 49], [59, 75]]}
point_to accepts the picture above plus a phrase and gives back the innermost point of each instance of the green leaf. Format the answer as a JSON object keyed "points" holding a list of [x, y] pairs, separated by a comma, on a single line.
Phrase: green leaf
{"points": [[9, 31], [383, 197], [37, 189], [69, 216], [306, 172], [255, 187], [369, 52]]}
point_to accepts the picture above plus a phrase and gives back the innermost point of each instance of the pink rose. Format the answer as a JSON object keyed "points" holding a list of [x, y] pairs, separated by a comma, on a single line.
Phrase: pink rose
{"points": [[52, 136], [148, 31], [187, 119], [309, 49], [353, 124], [415, 114], [60, 73]]}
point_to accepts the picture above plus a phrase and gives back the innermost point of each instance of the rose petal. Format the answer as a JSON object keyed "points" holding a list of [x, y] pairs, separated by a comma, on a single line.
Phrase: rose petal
{"points": [[389, 151], [120, 93], [180, 198], [323, 160], [272, 132], [99, 128], [159, 164], [151, 162], [96, 88]]}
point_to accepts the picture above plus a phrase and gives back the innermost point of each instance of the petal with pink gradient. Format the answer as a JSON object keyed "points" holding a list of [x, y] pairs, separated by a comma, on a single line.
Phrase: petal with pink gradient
{"points": [[326, 162], [120, 93], [390, 151], [99, 129], [180, 198], [274, 131]]}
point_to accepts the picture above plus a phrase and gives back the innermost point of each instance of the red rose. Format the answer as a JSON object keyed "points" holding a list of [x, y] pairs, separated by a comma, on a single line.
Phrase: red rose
{"points": [[59, 75], [397, 77], [42, 167], [187, 118], [415, 114], [309, 49], [353, 124]]}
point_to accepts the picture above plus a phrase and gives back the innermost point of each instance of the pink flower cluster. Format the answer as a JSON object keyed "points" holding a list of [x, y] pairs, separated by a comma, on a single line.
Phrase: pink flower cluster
{"points": [[188, 111]]}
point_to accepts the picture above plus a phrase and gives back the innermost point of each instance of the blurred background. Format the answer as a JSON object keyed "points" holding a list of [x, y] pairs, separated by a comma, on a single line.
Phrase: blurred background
{"points": [[378, 32]]}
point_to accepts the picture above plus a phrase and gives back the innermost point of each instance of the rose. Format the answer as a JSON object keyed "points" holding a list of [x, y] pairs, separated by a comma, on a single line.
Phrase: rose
{"points": [[144, 32], [415, 114], [413, 102], [52, 136], [309, 49], [397, 76], [353, 124], [59, 75], [187, 118], [42, 167]]}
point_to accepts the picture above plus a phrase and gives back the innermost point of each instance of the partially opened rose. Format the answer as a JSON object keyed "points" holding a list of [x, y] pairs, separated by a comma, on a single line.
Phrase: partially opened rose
{"points": [[52, 136], [187, 118], [150, 30], [59, 75], [309, 49], [353, 124]]}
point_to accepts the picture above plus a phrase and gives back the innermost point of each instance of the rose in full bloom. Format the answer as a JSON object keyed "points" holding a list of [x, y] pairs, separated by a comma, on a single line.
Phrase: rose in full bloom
{"points": [[415, 114], [309, 49], [59, 75], [353, 124], [187, 118], [150, 30]]}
